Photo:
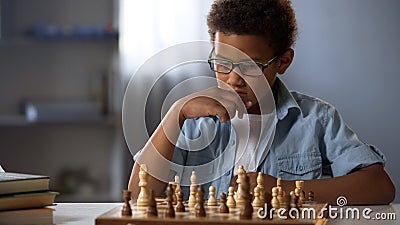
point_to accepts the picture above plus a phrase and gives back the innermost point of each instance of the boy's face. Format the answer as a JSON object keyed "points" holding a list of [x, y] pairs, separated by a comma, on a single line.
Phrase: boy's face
{"points": [[257, 48]]}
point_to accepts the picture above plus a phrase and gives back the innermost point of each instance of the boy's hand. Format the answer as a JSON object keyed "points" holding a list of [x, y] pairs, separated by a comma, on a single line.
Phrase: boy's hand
{"points": [[212, 102]]}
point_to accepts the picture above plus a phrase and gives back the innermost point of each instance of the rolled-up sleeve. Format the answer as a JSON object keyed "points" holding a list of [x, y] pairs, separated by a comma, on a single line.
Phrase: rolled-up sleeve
{"points": [[344, 150]]}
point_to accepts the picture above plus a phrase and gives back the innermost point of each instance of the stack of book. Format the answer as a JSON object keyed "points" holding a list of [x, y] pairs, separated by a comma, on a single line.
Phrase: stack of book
{"points": [[23, 198]]}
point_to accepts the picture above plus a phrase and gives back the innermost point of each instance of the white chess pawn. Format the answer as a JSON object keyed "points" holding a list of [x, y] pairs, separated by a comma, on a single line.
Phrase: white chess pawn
{"points": [[212, 201], [143, 198], [275, 202], [193, 190], [257, 201], [260, 185], [231, 203]]}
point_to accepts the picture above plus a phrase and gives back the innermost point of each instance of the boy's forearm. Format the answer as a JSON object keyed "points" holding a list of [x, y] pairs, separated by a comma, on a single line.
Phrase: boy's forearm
{"points": [[369, 185]]}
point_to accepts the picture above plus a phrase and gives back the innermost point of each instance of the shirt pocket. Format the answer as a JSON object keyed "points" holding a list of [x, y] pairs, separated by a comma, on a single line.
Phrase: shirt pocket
{"points": [[300, 166]]}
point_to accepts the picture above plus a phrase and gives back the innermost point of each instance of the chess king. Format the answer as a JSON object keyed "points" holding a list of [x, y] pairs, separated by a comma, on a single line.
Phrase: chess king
{"points": [[311, 140]]}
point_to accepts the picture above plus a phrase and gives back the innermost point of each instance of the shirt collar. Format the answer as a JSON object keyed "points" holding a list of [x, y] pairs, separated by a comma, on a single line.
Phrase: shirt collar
{"points": [[284, 100]]}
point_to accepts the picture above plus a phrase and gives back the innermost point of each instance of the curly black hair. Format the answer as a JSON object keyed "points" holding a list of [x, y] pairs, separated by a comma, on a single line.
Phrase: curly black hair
{"points": [[273, 19]]}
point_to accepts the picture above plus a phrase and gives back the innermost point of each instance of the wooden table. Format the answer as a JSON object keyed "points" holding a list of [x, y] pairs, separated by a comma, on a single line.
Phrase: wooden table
{"points": [[85, 213]]}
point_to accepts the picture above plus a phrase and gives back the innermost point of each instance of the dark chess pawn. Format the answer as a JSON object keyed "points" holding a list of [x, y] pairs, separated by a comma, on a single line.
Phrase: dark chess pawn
{"points": [[126, 208], [311, 196], [294, 201], [287, 205], [169, 211], [223, 208], [152, 207], [200, 211], [180, 207]]}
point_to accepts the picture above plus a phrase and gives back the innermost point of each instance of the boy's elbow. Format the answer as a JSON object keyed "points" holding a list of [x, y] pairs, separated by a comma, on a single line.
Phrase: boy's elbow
{"points": [[378, 184], [387, 188]]}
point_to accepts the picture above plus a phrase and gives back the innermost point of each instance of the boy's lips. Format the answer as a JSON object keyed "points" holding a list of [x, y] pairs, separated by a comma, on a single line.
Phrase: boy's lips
{"points": [[241, 94]]}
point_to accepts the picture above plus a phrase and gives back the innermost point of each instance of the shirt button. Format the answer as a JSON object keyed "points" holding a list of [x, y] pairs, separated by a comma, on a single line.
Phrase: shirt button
{"points": [[228, 173], [301, 168]]}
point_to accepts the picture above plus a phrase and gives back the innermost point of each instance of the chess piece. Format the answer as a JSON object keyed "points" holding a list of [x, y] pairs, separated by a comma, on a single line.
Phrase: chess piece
{"points": [[173, 185], [260, 185], [241, 173], [169, 211], [311, 196], [200, 211], [180, 207], [268, 198], [294, 199], [280, 191], [275, 202], [143, 198], [302, 192], [257, 201], [193, 190], [246, 209], [223, 208], [286, 205], [126, 208], [267, 205], [212, 201], [299, 192], [231, 203], [177, 186], [152, 208]]}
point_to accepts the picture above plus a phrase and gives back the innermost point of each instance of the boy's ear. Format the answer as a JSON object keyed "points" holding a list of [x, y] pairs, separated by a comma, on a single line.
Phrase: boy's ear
{"points": [[285, 60]]}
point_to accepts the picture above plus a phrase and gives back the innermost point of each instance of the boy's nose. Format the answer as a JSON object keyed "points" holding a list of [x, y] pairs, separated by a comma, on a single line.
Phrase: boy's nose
{"points": [[235, 79]]}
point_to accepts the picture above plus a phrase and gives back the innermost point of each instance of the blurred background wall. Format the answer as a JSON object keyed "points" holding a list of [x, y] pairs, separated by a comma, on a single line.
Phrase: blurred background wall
{"points": [[347, 54], [69, 58], [60, 96]]}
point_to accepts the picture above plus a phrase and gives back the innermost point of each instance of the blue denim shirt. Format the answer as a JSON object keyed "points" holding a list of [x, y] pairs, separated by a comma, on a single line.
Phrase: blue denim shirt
{"points": [[311, 142]]}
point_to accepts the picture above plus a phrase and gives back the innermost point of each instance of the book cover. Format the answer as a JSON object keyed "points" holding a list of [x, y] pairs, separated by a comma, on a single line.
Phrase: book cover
{"points": [[27, 200], [20, 182], [27, 216]]}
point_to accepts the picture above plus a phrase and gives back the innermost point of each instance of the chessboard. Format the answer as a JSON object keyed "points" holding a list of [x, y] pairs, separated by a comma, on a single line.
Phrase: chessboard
{"points": [[213, 217], [242, 206]]}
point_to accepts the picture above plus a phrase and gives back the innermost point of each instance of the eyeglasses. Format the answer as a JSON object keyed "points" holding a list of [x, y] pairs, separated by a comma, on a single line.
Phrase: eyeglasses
{"points": [[249, 68]]}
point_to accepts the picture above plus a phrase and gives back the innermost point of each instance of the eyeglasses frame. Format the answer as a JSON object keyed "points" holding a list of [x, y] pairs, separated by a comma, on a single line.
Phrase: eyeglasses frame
{"points": [[234, 65]]}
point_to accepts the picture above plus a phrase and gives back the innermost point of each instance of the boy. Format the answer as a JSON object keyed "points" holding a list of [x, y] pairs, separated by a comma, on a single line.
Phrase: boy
{"points": [[311, 141]]}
